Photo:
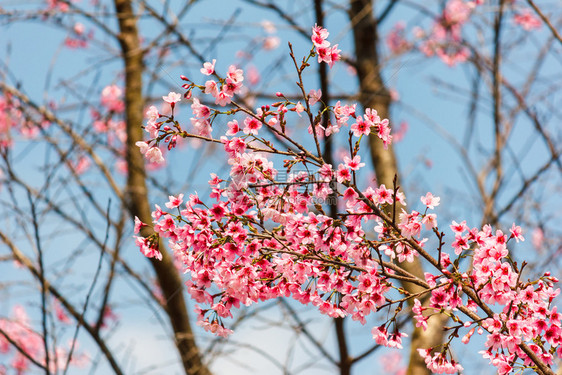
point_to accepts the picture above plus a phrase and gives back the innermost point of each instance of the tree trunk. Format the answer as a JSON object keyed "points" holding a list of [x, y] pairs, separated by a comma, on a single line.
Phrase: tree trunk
{"points": [[168, 277], [374, 94]]}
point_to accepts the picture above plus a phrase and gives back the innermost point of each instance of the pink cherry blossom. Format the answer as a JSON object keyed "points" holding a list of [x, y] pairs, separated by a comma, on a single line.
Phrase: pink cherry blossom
{"points": [[361, 127], [395, 40], [537, 237], [175, 201], [233, 127], [112, 98], [235, 74], [517, 233], [138, 225], [152, 114], [319, 36], [208, 68], [211, 88], [252, 125], [314, 96], [353, 164], [430, 201], [527, 20], [271, 43], [154, 155], [172, 97]]}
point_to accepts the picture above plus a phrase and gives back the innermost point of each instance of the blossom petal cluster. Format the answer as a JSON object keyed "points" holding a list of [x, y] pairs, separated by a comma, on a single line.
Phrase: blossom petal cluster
{"points": [[264, 233], [325, 52], [30, 344], [445, 39]]}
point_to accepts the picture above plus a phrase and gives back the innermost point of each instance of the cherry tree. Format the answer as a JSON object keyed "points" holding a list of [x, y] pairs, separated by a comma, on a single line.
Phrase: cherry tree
{"points": [[293, 211], [261, 238]]}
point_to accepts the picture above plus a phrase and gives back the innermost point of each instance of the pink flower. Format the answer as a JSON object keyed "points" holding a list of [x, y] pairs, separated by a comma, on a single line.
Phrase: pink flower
{"points": [[527, 20], [215, 327], [138, 225], [353, 164], [153, 154], [152, 114], [147, 248], [172, 98], [517, 233], [299, 108], [253, 75], [111, 98], [174, 202], [143, 146], [60, 313], [395, 340], [380, 335], [314, 96], [430, 201], [232, 87], [361, 127], [82, 165], [319, 36], [459, 228], [233, 127], [334, 55], [211, 88], [208, 68], [537, 238], [271, 42], [384, 132], [252, 125], [430, 221], [395, 39], [343, 174], [235, 74], [223, 98], [383, 195], [200, 110], [268, 26], [202, 126], [417, 309], [57, 5], [457, 12]]}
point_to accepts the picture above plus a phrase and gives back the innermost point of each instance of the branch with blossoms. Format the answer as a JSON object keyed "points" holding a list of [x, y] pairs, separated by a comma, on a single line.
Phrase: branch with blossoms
{"points": [[261, 236]]}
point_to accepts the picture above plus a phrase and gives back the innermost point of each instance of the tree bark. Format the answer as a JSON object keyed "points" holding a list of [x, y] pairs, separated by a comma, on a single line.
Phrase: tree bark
{"points": [[168, 277], [374, 94]]}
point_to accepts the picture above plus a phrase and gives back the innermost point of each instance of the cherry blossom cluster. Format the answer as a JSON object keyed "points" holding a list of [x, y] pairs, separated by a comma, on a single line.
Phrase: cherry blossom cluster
{"points": [[444, 39], [13, 119], [57, 6], [108, 122], [527, 20], [110, 125], [224, 90], [325, 53], [396, 39], [264, 233], [30, 343], [78, 37]]}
